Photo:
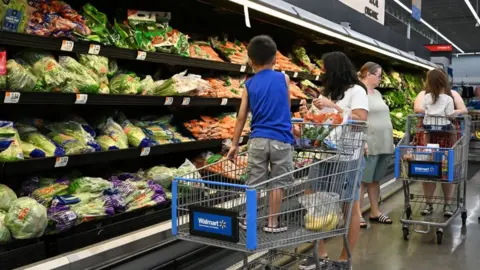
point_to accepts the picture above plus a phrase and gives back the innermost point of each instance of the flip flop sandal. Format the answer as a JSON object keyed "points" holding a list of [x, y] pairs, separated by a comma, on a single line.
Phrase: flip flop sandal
{"points": [[382, 219], [363, 223]]}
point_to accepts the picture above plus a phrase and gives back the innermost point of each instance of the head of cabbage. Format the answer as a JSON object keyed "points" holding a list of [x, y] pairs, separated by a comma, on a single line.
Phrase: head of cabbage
{"points": [[7, 196], [26, 218]]}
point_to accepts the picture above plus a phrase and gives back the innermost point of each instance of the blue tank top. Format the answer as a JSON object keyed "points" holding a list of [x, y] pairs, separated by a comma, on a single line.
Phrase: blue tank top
{"points": [[269, 102]]}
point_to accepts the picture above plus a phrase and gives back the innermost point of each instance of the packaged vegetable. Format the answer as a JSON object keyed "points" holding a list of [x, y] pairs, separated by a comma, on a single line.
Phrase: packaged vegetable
{"points": [[146, 86], [20, 76], [113, 130], [7, 196], [14, 15], [26, 218], [162, 175], [144, 25], [126, 36], [97, 64], [31, 151], [75, 130], [85, 79], [89, 184], [179, 84], [45, 195], [3, 68], [323, 210], [98, 24], [106, 143], [71, 144], [60, 219], [152, 195], [85, 125], [127, 84], [10, 144], [135, 135], [5, 235], [46, 68], [31, 135], [96, 208]]}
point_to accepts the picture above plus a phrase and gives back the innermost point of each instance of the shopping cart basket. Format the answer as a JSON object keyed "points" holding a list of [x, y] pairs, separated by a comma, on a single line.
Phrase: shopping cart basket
{"points": [[434, 150], [209, 204]]}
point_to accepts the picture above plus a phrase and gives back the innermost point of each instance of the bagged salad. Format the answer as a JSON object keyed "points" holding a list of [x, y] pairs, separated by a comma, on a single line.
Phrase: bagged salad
{"points": [[82, 78], [127, 84], [20, 76], [44, 195], [162, 175], [53, 76], [89, 185], [75, 130], [146, 86], [98, 65], [71, 144], [135, 135], [31, 151], [26, 218], [111, 135], [31, 135], [10, 144]]}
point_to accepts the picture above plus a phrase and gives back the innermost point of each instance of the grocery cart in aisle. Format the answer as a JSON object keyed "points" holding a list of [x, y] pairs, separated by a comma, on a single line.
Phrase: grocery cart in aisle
{"points": [[214, 206], [434, 150]]}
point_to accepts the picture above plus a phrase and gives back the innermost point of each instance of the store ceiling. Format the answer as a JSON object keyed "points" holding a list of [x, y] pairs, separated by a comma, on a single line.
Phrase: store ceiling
{"points": [[451, 17]]}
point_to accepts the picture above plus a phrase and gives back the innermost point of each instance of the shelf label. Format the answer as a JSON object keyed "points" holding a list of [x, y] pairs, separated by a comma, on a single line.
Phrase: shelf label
{"points": [[81, 99], [224, 101], [243, 68], [168, 101], [241, 139], [141, 55], [94, 49], [61, 162], [295, 74], [186, 101], [317, 78], [145, 151], [67, 45], [12, 97]]}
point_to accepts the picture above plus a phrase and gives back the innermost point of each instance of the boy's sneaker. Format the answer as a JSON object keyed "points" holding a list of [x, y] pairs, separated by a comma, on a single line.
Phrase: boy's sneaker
{"points": [[428, 210], [243, 222], [281, 227], [447, 210], [309, 264]]}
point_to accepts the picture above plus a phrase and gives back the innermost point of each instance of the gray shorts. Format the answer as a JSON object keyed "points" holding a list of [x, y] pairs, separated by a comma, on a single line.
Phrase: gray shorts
{"points": [[265, 153]]}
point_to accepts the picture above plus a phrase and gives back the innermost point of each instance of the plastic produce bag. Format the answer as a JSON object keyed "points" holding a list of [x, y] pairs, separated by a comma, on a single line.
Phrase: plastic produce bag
{"points": [[107, 143], [98, 207], [10, 144], [31, 135], [7, 196], [113, 130], [98, 23], [157, 129], [152, 195], [97, 64], [135, 135], [5, 235], [188, 168], [127, 84], [146, 86], [71, 144], [20, 77], [75, 130], [31, 151], [82, 78], [3, 68], [14, 15], [60, 219], [46, 68], [26, 218], [162, 175], [89, 185], [85, 125], [323, 210], [45, 195]]}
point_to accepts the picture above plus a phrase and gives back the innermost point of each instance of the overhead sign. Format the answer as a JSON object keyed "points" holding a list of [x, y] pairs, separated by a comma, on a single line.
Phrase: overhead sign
{"points": [[374, 9], [417, 9], [439, 47]]}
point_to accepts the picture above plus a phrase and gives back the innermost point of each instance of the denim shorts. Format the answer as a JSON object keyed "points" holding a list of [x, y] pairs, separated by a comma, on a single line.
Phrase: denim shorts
{"points": [[332, 179]]}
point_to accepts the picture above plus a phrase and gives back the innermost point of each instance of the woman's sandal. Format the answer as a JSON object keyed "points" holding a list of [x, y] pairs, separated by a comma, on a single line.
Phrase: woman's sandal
{"points": [[382, 219], [363, 223]]}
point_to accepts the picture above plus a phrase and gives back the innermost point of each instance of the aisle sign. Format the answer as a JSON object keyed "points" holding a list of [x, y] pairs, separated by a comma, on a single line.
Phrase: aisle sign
{"points": [[374, 9], [12, 97], [417, 9]]}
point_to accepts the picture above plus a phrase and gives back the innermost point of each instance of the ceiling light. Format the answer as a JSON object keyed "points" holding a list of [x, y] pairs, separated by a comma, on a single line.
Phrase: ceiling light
{"points": [[326, 31], [429, 26], [469, 5]]}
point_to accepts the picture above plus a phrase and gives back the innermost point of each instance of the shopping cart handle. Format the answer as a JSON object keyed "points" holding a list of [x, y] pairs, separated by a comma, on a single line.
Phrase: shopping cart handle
{"points": [[356, 122], [297, 120]]}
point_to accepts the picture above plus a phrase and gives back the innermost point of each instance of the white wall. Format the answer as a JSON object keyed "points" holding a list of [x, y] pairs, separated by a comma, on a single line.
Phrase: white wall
{"points": [[466, 69]]}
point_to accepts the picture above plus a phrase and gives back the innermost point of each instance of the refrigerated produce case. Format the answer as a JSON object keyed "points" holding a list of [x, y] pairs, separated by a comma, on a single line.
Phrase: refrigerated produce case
{"points": [[215, 57]]}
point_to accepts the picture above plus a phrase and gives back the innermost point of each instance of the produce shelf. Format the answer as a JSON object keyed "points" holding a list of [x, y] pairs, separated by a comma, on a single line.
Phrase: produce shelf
{"points": [[55, 44]]}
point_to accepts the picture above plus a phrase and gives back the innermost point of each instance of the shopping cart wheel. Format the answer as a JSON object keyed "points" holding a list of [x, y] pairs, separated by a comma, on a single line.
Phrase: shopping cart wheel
{"points": [[406, 233], [464, 217], [439, 236]]}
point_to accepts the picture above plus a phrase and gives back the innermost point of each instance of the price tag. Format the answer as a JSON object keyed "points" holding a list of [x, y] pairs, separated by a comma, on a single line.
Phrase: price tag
{"points": [[12, 97], [243, 68], [94, 49], [317, 78], [241, 139], [186, 101], [81, 99], [168, 101], [145, 151], [61, 162], [67, 45], [141, 55], [295, 74], [71, 215], [283, 71], [224, 101]]}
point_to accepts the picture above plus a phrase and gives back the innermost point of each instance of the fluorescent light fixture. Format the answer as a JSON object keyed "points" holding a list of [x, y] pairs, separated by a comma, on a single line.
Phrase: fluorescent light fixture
{"points": [[325, 31], [474, 13], [429, 26]]}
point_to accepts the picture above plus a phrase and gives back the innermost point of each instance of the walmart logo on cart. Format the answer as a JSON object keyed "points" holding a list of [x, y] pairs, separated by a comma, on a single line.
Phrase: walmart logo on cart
{"points": [[424, 170], [218, 224]]}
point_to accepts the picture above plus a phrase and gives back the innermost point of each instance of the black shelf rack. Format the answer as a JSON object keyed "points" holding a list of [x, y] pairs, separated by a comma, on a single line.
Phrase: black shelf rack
{"points": [[55, 44], [41, 98]]}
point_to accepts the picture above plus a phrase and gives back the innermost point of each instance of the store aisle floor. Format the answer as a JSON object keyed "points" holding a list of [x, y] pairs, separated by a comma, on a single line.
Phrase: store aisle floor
{"points": [[382, 247]]}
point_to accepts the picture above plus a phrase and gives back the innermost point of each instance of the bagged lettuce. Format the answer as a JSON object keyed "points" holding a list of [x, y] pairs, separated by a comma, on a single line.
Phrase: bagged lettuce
{"points": [[46, 68], [31, 151], [10, 144], [85, 125], [162, 175], [136, 136], [5, 235], [106, 143], [60, 219], [7, 196], [96, 208], [20, 77], [113, 130], [26, 218], [82, 78], [97, 64], [32, 136], [45, 195], [76, 131], [71, 144], [127, 84], [152, 195], [146, 86], [89, 185]]}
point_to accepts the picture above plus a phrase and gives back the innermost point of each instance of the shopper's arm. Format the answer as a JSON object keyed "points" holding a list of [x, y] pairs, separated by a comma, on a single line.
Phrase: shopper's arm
{"points": [[239, 125], [459, 104], [417, 105], [287, 80]]}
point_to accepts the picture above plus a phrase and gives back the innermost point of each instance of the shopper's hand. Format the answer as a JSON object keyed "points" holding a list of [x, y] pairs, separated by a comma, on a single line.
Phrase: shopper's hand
{"points": [[303, 107], [366, 150], [323, 102], [232, 153]]}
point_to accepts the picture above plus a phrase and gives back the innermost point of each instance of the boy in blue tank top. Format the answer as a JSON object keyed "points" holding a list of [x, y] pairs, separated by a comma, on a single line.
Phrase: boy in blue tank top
{"points": [[271, 139]]}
